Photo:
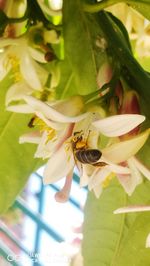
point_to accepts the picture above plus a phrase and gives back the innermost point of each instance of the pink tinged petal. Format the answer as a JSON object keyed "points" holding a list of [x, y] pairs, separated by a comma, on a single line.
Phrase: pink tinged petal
{"points": [[16, 92], [114, 167], [63, 195], [59, 165], [147, 245], [20, 108], [51, 113], [122, 151], [133, 208], [142, 168], [28, 71], [129, 182], [33, 137], [118, 125]]}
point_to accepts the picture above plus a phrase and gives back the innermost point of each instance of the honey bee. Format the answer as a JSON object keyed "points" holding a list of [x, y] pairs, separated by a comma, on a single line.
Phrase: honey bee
{"points": [[82, 153]]}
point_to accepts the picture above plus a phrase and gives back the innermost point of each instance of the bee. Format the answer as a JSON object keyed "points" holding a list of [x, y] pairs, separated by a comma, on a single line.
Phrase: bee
{"points": [[82, 153]]}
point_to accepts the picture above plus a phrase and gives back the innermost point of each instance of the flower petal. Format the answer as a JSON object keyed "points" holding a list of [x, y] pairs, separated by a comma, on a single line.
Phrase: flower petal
{"points": [[16, 92], [143, 169], [118, 125], [59, 165], [51, 124], [37, 55], [147, 245], [98, 177], [32, 137], [114, 167], [5, 66], [85, 177], [129, 182], [133, 208], [20, 108], [122, 151], [98, 191], [28, 71], [51, 113]]}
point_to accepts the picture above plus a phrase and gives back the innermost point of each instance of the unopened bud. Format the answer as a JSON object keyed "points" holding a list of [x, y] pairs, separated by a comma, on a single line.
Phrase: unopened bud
{"points": [[49, 56], [104, 74], [130, 105], [116, 100]]}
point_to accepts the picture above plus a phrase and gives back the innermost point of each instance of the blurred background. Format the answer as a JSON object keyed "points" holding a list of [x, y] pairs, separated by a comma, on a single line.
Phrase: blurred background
{"points": [[38, 231]]}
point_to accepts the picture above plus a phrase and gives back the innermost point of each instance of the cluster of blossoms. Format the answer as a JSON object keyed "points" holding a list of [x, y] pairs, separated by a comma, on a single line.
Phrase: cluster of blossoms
{"points": [[67, 132]]}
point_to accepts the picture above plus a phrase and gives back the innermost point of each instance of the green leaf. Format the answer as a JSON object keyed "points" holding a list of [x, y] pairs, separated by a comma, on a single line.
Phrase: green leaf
{"points": [[82, 55], [17, 161], [142, 7], [116, 240]]}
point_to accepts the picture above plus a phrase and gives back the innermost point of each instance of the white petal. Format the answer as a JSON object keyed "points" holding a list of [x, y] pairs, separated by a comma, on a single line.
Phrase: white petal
{"points": [[84, 179], [98, 191], [114, 167], [16, 92], [54, 125], [133, 208], [143, 169], [147, 245], [37, 55], [5, 66], [129, 182], [123, 150], [20, 108], [45, 149], [32, 137], [48, 10], [28, 71], [118, 125], [99, 176], [50, 113], [59, 165], [7, 41]]}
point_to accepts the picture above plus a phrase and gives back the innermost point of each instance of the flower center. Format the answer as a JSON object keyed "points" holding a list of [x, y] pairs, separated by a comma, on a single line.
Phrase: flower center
{"points": [[51, 133]]}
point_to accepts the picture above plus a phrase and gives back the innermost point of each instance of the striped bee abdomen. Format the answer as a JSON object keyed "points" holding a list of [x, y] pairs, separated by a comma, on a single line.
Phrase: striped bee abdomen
{"points": [[88, 156]]}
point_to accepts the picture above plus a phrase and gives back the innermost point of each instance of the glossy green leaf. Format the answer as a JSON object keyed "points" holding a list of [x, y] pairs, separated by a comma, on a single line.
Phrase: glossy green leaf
{"points": [[116, 240], [82, 55], [16, 161]]}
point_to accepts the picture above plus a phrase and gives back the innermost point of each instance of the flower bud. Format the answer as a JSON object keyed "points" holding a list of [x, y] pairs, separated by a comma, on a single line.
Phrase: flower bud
{"points": [[104, 74], [116, 100], [130, 105]]}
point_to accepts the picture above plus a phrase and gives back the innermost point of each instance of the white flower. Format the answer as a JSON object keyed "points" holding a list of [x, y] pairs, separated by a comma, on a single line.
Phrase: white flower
{"points": [[63, 161], [19, 57]]}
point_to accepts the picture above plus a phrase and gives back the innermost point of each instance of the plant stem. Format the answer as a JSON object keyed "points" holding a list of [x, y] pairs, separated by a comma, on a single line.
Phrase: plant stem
{"points": [[93, 8]]}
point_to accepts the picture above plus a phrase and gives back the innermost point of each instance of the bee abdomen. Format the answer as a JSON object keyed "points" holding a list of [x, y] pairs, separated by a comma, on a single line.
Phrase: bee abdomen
{"points": [[88, 156]]}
